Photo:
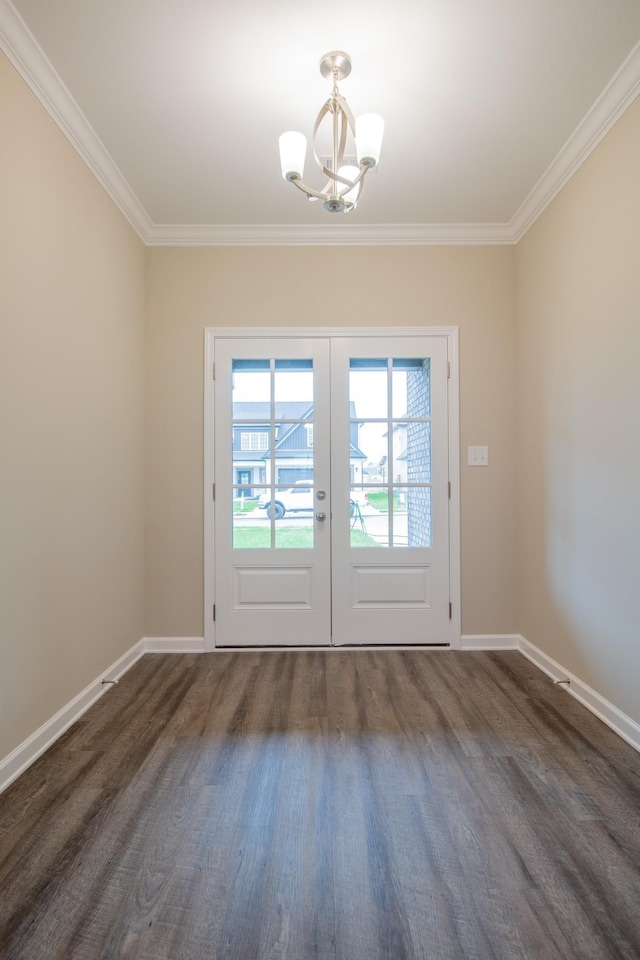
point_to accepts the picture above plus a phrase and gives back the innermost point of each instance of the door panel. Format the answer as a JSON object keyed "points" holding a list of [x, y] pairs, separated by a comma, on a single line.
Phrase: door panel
{"points": [[398, 586], [272, 587]]}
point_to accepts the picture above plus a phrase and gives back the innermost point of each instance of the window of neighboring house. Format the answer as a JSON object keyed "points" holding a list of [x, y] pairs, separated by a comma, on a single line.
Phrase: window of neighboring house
{"points": [[254, 441], [309, 428]]}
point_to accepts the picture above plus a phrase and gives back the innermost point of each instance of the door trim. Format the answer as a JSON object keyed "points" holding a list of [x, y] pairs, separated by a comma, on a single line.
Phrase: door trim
{"points": [[451, 333]]}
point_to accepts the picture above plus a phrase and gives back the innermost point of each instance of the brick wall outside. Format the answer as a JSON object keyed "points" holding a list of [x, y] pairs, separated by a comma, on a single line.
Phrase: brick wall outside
{"points": [[419, 456]]}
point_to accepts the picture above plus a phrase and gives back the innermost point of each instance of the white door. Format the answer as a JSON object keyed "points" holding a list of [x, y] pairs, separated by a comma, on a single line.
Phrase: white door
{"points": [[331, 491], [272, 477], [390, 555]]}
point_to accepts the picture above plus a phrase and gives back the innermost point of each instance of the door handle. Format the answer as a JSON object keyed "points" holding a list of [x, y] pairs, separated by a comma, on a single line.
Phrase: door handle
{"points": [[321, 516]]}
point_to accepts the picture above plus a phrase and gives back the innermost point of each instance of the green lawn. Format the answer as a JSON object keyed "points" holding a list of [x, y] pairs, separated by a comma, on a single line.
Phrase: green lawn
{"points": [[244, 506], [360, 539], [292, 537], [257, 537], [380, 500]]}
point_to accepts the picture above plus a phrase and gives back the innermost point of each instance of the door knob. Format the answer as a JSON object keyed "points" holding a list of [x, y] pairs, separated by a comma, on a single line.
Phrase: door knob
{"points": [[320, 495], [321, 516]]}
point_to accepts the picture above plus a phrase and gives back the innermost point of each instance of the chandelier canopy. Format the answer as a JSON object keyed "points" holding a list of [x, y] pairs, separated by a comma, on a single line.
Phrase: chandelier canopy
{"points": [[344, 180]]}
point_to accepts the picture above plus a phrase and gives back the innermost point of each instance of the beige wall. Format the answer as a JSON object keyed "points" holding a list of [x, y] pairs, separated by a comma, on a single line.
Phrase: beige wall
{"points": [[578, 273], [72, 275], [192, 288]]}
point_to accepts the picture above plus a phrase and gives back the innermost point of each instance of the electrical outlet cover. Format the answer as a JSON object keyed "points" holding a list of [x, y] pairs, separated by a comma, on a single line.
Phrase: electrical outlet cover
{"points": [[478, 456]]}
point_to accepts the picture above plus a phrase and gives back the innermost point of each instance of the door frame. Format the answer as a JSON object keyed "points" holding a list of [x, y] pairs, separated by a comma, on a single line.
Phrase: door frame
{"points": [[451, 333]]}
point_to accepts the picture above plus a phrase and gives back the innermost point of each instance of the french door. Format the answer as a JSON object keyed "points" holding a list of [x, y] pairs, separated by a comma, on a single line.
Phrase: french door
{"points": [[331, 507]]}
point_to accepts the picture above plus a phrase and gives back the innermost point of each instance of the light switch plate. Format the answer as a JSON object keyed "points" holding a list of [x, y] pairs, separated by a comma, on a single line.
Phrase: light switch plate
{"points": [[478, 456]]}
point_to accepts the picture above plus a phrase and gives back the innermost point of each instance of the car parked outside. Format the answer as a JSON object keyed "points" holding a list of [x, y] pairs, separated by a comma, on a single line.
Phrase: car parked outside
{"points": [[300, 499]]}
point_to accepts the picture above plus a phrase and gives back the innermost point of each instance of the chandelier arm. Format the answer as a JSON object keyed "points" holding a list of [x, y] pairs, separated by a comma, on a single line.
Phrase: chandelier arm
{"points": [[346, 121], [344, 126], [309, 191], [322, 114], [346, 109], [336, 159], [360, 182]]}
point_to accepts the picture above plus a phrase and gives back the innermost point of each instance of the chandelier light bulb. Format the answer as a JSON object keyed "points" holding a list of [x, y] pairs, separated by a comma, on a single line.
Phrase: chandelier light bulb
{"points": [[293, 148], [369, 131]]}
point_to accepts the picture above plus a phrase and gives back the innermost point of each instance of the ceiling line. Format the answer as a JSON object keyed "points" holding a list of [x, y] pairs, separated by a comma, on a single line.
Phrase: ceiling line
{"points": [[322, 234], [29, 59], [617, 96]]}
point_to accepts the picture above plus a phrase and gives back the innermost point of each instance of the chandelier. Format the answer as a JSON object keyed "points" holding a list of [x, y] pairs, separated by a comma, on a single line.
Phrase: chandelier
{"points": [[344, 180]]}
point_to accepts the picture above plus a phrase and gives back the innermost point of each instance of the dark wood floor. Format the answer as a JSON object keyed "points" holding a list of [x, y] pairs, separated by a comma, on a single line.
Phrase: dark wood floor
{"points": [[334, 804]]}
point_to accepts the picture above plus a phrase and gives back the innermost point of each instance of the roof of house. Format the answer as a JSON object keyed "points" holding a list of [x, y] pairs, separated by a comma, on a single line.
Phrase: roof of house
{"points": [[284, 410]]}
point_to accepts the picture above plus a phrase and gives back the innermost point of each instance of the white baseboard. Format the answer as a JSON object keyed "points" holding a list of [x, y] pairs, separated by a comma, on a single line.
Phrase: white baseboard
{"points": [[30, 749], [619, 722], [487, 641], [614, 718], [173, 644]]}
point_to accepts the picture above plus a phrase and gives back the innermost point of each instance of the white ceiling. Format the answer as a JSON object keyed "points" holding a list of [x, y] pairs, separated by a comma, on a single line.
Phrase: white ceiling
{"points": [[186, 101]]}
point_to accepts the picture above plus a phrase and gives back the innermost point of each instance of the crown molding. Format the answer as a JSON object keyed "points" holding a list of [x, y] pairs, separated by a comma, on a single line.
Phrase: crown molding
{"points": [[616, 97], [26, 55], [346, 234]]}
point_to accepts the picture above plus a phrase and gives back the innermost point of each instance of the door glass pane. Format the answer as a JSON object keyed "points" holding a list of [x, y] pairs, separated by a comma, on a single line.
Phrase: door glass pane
{"points": [[251, 438], [251, 525], [295, 536], [412, 517], [369, 452], [250, 457], [399, 501], [411, 388], [411, 452], [251, 384], [390, 448], [272, 453], [293, 453], [369, 517], [246, 500], [293, 389], [293, 513], [368, 388]]}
